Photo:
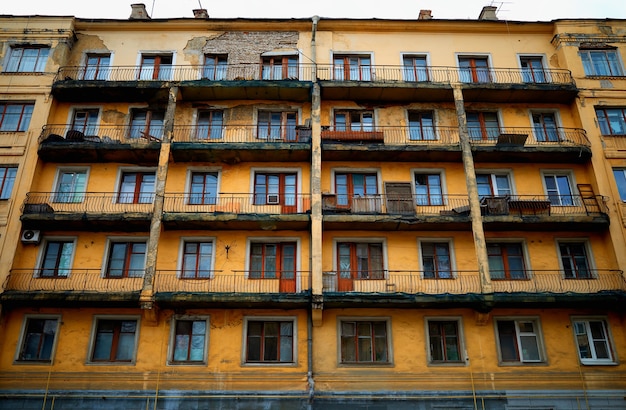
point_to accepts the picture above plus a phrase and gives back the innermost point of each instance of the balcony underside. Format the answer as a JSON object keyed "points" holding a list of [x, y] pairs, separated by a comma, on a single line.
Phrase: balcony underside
{"points": [[519, 93], [233, 300], [239, 152], [232, 221], [396, 91], [354, 151], [107, 91], [614, 300], [544, 154], [92, 222], [462, 222], [93, 152], [70, 299]]}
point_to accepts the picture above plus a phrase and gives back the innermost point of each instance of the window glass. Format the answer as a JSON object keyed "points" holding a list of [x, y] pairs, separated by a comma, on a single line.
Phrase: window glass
{"points": [[27, 59], [601, 63], [519, 341], [364, 342], [445, 345], [612, 121], [38, 339], [15, 116], [114, 341], [189, 341], [270, 341], [7, 180]]}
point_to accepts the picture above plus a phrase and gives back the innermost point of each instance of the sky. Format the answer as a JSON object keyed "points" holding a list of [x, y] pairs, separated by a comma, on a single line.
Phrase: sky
{"points": [[514, 10]]}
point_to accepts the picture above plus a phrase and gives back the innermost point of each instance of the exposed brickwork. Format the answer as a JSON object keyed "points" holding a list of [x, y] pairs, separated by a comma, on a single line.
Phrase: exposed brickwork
{"points": [[247, 47]]}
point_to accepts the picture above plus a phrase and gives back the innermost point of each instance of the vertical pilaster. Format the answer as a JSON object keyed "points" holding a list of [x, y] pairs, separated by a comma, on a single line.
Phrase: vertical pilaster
{"points": [[316, 206]]}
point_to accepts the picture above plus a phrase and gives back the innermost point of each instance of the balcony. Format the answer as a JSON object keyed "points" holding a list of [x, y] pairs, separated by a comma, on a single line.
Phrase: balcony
{"points": [[456, 288], [195, 82], [241, 143], [32, 286], [396, 211], [510, 144], [237, 211], [91, 211], [433, 84], [104, 143], [288, 289]]}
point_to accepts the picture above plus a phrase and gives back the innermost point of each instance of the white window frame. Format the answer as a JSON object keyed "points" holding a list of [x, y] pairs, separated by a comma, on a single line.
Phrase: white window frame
{"points": [[57, 181], [557, 120], [92, 339], [450, 242], [570, 178], [172, 340], [72, 112], [44, 245], [121, 239], [493, 173], [608, 335], [463, 358], [22, 339], [181, 253], [244, 350], [390, 356], [538, 337]]}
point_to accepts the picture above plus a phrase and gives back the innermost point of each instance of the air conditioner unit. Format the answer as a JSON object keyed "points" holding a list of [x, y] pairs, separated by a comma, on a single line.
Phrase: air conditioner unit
{"points": [[273, 199], [30, 236]]}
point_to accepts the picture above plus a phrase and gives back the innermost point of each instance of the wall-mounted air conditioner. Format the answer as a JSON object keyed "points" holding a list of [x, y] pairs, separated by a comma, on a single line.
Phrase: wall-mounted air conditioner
{"points": [[30, 236]]}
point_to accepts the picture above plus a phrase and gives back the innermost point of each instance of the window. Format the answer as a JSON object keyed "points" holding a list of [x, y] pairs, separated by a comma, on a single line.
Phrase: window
{"points": [[354, 120], [7, 179], [215, 67], [279, 67], [519, 341], [545, 127], [352, 67], [27, 59], [360, 261], [114, 340], [156, 67], [203, 188], [276, 189], [15, 116], [532, 69], [147, 124], [364, 341], [56, 261], [126, 260], [444, 341], [574, 260], [85, 121], [436, 260], [38, 339], [272, 260], [197, 260], [277, 125], [558, 189], [612, 121], [428, 189], [421, 126], [71, 186], [474, 69], [270, 341], [210, 125], [97, 67], [415, 68], [350, 185], [136, 188], [482, 125], [189, 344], [493, 185], [506, 261], [592, 340], [601, 63], [620, 180]]}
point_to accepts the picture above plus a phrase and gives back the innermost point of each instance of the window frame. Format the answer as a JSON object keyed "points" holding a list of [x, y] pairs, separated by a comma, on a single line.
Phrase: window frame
{"points": [[347, 126], [589, 259], [366, 72], [74, 196], [218, 69], [488, 133], [273, 241], [137, 192], [205, 198], [507, 270], [475, 72], [355, 272], [41, 257], [493, 176], [7, 182], [538, 334], [620, 183], [350, 183], [98, 71], [265, 127], [110, 242], [271, 61], [555, 173], [214, 128], [442, 183], [528, 73], [270, 319], [420, 130], [365, 319], [23, 339], [157, 73], [150, 124], [541, 131], [436, 271], [40, 62], [171, 351], [26, 114], [180, 268], [605, 124], [459, 337], [86, 128], [418, 74], [94, 339], [610, 344], [589, 66]]}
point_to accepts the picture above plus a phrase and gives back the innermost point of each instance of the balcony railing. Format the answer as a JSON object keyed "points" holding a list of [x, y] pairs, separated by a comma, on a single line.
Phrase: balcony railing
{"points": [[239, 282], [557, 136], [238, 203], [229, 72], [87, 202], [241, 134], [446, 75], [465, 282], [69, 280], [105, 134]]}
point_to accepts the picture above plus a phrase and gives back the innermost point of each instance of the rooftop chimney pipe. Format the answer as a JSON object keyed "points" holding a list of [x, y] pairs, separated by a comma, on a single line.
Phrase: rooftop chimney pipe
{"points": [[488, 13], [138, 12], [201, 14], [425, 15]]}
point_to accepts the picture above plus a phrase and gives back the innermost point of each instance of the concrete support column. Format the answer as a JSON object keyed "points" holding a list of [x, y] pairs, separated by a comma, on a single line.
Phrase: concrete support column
{"points": [[480, 244], [147, 293], [316, 206]]}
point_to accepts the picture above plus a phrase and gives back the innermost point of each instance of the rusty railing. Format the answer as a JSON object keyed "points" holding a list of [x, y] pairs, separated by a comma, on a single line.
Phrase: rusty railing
{"points": [[70, 280], [238, 203], [87, 202]]}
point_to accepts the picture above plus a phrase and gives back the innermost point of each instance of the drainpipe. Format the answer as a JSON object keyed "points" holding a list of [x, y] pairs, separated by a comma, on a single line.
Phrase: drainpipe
{"points": [[316, 216]]}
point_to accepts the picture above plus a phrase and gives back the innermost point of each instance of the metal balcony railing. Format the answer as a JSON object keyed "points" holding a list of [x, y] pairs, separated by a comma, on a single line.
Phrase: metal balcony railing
{"points": [[105, 134], [241, 134], [228, 72], [169, 281], [87, 202], [70, 280], [466, 282], [238, 203], [446, 75], [528, 136]]}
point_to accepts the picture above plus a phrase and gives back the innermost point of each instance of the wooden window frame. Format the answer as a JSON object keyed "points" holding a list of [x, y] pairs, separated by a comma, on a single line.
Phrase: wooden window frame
{"points": [[278, 271], [41, 356], [441, 323], [175, 342], [117, 323], [263, 344], [352, 340], [129, 252], [8, 175], [602, 113], [23, 122], [197, 255]]}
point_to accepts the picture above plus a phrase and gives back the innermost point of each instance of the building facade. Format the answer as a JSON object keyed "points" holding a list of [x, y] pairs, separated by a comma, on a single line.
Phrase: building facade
{"points": [[312, 213]]}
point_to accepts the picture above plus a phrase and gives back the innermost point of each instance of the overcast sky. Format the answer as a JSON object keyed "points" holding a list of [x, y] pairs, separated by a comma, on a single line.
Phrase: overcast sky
{"points": [[521, 10]]}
